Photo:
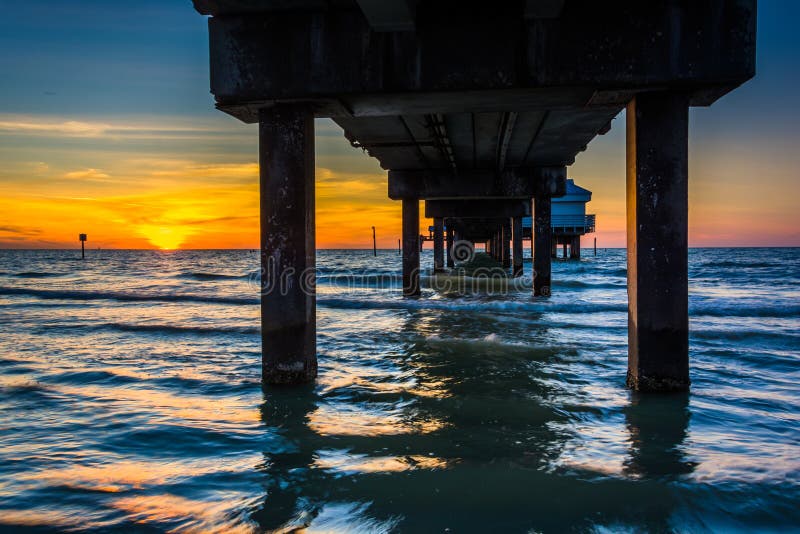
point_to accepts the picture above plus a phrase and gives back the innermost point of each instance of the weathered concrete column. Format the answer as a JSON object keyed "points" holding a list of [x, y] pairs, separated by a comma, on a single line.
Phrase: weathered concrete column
{"points": [[542, 238], [657, 209], [288, 299], [564, 246], [449, 242], [575, 248], [411, 245], [505, 249], [516, 238], [438, 245]]}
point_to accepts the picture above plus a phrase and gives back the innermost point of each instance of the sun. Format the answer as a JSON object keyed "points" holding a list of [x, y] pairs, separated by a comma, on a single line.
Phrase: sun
{"points": [[164, 237]]}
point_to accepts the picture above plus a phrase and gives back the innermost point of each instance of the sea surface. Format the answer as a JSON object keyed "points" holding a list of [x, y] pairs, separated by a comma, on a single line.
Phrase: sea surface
{"points": [[131, 401]]}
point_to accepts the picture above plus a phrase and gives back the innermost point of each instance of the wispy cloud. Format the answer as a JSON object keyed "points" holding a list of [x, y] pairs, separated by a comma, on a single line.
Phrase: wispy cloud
{"points": [[62, 127], [87, 174], [20, 231]]}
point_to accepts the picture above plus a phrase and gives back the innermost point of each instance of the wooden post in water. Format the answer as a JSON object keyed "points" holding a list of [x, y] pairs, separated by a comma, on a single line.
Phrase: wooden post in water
{"points": [[595, 246], [399, 248], [374, 245], [82, 238]]}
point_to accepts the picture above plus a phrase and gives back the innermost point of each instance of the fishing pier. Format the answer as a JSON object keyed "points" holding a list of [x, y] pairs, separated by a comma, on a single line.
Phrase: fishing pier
{"points": [[478, 108]]}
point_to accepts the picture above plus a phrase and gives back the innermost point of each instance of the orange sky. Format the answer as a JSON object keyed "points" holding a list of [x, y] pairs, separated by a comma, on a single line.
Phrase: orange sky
{"points": [[184, 183]]}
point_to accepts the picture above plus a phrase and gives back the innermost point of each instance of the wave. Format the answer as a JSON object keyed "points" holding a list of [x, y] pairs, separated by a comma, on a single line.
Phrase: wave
{"points": [[588, 285], [173, 329], [711, 309], [739, 264], [373, 280], [203, 277], [36, 274], [743, 310], [744, 335], [458, 305], [154, 328], [124, 297]]}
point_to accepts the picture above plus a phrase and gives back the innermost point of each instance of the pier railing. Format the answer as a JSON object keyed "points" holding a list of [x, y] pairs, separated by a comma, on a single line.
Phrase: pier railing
{"points": [[584, 223]]}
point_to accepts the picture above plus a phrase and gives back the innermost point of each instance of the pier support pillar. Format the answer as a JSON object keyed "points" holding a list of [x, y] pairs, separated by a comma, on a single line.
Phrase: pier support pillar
{"points": [[449, 241], [288, 254], [542, 245], [505, 231], [575, 248], [438, 245], [657, 209], [564, 247], [411, 246], [554, 249], [516, 238]]}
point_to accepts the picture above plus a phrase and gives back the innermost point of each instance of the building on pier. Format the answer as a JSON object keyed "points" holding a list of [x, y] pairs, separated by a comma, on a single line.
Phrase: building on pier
{"points": [[568, 220]]}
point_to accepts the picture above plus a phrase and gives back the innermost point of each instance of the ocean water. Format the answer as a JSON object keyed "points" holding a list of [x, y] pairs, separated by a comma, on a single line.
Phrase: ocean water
{"points": [[130, 400]]}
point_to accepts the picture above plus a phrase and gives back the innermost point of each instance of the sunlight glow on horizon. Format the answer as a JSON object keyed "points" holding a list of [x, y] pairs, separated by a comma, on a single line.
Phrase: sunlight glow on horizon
{"points": [[148, 185]]}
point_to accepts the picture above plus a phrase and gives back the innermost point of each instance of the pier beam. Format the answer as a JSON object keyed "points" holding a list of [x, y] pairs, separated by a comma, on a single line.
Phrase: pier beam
{"points": [[438, 245], [288, 298], [657, 209], [449, 243], [411, 246], [516, 238], [542, 245]]}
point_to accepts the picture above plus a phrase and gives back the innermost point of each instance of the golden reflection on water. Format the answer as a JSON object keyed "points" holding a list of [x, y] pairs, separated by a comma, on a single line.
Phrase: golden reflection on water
{"points": [[360, 463], [131, 475], [48, 517], [196, 408], [192, 516], [343, 420]]}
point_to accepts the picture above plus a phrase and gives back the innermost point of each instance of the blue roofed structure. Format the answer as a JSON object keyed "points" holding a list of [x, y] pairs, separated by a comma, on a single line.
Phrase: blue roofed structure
{"points": [[569, 219]]}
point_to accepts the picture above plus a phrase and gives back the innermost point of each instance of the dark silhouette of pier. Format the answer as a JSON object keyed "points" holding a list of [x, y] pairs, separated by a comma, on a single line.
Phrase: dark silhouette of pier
{"points": [[478, 108]]}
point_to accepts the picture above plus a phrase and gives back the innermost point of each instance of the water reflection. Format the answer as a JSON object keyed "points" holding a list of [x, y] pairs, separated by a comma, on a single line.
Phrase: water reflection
{"points": [[658, 426], [479, 449]]}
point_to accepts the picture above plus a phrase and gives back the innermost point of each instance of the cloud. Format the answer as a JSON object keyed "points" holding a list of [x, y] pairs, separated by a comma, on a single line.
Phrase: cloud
{"points": [[87, 174], [176, 129], [19, 231], [214, 170], [68, 128]]}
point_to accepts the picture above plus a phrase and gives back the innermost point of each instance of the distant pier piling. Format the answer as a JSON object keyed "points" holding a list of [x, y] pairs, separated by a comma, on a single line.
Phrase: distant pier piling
{"points": [[82, 239]]}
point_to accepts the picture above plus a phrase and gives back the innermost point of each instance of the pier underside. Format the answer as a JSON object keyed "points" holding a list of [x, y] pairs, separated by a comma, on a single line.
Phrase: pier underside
{"points": [[478, 109]]}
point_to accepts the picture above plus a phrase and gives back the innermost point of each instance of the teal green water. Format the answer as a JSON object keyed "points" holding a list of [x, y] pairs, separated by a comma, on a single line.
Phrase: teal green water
{"points": [[130, 400]]}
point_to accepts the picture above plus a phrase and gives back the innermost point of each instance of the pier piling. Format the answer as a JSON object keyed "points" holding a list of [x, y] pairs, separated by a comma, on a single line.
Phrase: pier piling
{"points": [[516, 238], [657, 221], [505, 232], [542, 245], [411, 247], [438, 245], [449, 242], [288, 299]]}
